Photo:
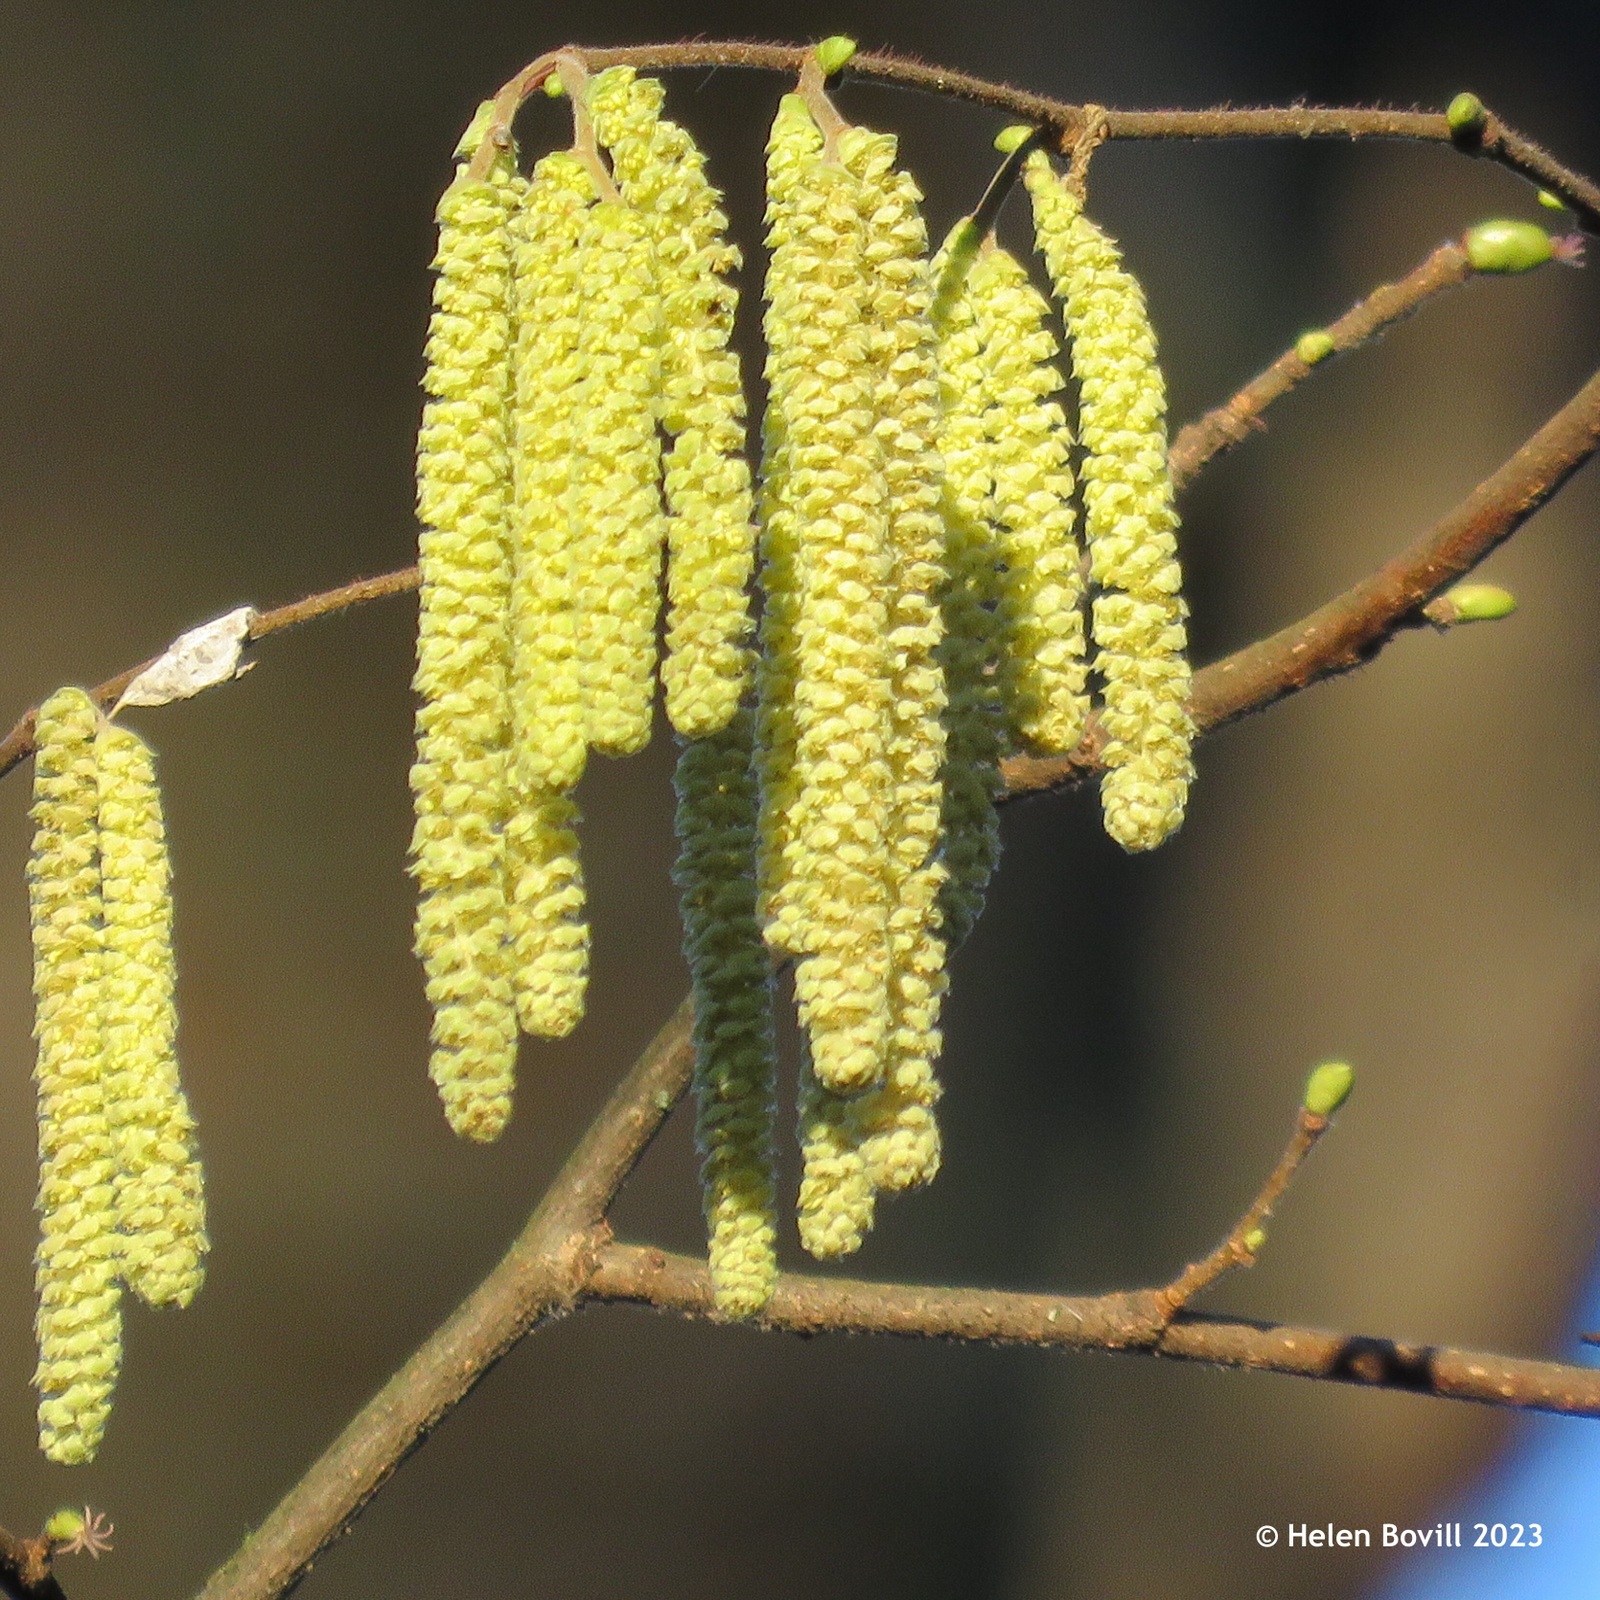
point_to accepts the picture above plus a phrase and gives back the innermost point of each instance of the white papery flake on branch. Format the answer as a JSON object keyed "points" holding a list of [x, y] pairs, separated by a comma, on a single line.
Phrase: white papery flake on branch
{"points": [[199, 659]]}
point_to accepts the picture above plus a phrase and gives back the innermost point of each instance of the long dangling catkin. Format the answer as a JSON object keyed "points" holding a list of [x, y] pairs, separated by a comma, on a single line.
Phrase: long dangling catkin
{"points": [[460, 778], [548, 296], [1028, 443], [822, 387], [160, 1197], [837, 1199], [900, 1139], [710, 536], [1129, 519], [79, 1320], [618, 523], [735, 1053], [974, 715], [548, 935]]}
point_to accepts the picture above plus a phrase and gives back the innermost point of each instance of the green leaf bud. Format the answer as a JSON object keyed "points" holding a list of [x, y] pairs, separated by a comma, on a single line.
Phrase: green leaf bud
{"points": [[1466, 117], [1012, 138], [1552, 202], [1254, 1240], [834, 53], [1329, 1087], [1508, 246], [1314, 346], [1480, 602], [64, 1525], [554, 87]]}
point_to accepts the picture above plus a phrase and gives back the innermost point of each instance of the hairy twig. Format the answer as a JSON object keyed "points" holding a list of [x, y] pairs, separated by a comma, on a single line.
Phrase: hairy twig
{"points": [[1233, 422], [25, 1569]]}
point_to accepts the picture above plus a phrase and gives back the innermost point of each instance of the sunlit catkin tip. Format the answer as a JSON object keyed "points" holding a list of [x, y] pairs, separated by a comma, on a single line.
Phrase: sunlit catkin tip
{"points": [[1314, 345], [1329, 1087], [834, 53], [1011, 139], [1470, 602], [1506, 247], [1466, 117]]}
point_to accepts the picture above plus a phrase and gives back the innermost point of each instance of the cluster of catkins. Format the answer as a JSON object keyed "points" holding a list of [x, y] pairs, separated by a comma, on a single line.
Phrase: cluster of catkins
{"points": [[120, 1188], [922, 612]]}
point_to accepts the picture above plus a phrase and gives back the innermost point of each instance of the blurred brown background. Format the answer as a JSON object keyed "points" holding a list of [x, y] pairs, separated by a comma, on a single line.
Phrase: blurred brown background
{"points": [[213, 289]]}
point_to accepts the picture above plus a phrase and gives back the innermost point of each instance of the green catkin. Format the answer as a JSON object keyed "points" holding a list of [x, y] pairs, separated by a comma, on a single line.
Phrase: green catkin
{"points": [[1027, 443], [735, 1053], [547, 701], [974, 715], [618, 522], [79, 1320], [895, 1122], [160, 1197], [837, 1199], [549, 932], [460, 780], [834, 868], [1138, 616], [710, 536]]}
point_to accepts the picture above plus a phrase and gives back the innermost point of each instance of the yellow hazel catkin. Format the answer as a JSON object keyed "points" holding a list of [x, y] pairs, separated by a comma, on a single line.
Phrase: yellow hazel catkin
{"points": [[159, 1189], [1138, 616], [79, 1318], [710, 536], [460, 780]]}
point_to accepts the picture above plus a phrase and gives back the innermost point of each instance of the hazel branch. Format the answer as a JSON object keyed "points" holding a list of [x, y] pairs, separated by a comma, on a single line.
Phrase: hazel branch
{"points": [[25, 1568], [809, 1305], [1233, 422], [1493, 140]]}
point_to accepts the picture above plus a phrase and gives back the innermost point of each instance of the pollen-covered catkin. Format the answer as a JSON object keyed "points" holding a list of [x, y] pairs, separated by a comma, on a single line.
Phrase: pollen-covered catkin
{"points": [[735, 1053], [1138, 617], [969, 651], [835, 917], [896, 1121], [837, 1199], [1027, 442], [618, 523], [547, 696], [549, 934], [460, 780], [79, 1320], [160, 1197], [710, 536]]}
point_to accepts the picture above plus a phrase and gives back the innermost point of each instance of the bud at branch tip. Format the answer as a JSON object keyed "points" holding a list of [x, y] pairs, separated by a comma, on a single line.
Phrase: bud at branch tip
{"points": [[1329, 1087]]}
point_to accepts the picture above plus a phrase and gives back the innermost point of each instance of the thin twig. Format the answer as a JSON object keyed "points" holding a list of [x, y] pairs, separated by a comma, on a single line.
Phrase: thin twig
{"points": [[1243, 1243], [1233, 422], [25, 1569], [1116, 1322]]}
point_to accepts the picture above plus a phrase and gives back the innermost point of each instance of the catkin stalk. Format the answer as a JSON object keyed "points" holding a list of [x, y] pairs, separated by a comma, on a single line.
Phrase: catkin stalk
{"points": [[79, 1320]]}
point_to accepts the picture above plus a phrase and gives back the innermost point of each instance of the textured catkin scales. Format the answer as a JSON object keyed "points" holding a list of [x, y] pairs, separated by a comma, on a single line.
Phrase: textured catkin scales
{"points": [[832, 892], [710, 536], [1129, 519], [1027, 443], [545, 895], [898, 1133], [735, 1054], [160, 1198], [79, 1320], [460, 778], [618, 522]]}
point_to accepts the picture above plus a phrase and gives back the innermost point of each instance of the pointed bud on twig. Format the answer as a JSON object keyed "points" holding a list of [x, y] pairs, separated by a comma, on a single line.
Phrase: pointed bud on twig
{"points": [[1012, 138], [1329, 1087], [1553, 202], [1314, 346], [1467, 118], [1470, 602], [834, 53], [1511, 247]]}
